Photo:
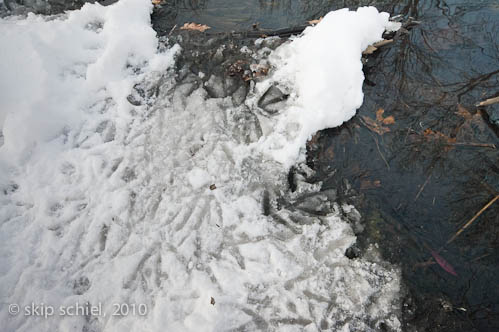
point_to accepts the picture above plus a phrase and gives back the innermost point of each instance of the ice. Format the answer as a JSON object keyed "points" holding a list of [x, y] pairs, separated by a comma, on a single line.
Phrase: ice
{"points": [[105, 189]]}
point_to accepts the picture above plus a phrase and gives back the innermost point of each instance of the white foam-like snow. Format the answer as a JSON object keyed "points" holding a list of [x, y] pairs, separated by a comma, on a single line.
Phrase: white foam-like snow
{"points": [[322, 71], [106, 202]]}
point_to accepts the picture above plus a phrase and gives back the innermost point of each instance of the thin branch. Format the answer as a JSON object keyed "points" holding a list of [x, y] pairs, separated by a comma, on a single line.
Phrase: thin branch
{"points": [[473, 219]]}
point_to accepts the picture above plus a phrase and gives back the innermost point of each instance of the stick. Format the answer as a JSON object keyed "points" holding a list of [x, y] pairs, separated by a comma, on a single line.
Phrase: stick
{"points": [[171, 31], [473, 219], [380, 153], [481, 145], [422, 187], [489, 101]]}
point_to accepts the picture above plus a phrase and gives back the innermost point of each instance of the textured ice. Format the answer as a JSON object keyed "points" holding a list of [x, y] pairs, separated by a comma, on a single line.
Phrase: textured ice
{"points": [[106, 198]]}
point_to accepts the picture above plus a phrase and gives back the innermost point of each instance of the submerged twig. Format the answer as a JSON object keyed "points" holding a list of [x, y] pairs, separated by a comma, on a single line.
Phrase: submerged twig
{"points": [[480, 145], [171, 31], [422, 187], [473, 219]]}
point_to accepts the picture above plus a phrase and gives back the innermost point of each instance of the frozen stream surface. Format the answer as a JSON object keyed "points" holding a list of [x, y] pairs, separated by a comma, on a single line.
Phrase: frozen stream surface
{"points": [[124, 181]]}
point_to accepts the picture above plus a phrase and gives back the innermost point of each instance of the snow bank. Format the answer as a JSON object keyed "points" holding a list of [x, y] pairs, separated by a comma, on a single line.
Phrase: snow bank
{"points": [[54, 71], [105, 195], [322, 70]]}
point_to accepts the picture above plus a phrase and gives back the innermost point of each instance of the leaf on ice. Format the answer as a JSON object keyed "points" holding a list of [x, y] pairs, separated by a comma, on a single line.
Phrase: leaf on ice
{"points": [[195, 27]]}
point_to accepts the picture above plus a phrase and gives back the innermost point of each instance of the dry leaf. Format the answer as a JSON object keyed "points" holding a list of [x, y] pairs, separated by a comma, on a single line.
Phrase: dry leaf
{"points": [[213, 187], [374, 126], [195, 27], [463, 112], [314, 22], [436, 135], [330, 152], [389, 120], [377, 125], [156, 2], [368, 184], [212, 301]]}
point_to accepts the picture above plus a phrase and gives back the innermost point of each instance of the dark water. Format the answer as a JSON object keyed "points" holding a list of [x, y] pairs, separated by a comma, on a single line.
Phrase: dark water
{"points": [[419, 176], [436, 166]]}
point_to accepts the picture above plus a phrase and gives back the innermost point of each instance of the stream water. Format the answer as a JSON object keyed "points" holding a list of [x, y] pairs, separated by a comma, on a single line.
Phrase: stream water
{"points": [[415, 184], [419, 160]]}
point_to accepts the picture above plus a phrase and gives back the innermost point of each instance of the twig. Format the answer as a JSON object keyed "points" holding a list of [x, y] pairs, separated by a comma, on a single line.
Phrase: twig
{"points": [[383, 42], [473, 219], [374, 47], [480, 145], [380, 153], [171, 31], [422, 187], [488, 102]]}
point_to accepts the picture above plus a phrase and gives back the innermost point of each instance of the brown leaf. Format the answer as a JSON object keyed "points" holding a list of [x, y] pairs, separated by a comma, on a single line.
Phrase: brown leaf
{"points": [[212, 301], [195, 27], [377, 125], [314, 22], [463, 112], [213, 187], [330, 153], [389, 120], [379, 115], [368, 184], [156, 2]]}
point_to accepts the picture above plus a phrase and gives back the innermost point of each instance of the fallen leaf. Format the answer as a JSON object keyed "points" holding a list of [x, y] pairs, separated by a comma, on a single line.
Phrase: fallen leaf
{"points": [[330, 152], [212, 301], [156, 2], [375, 126], [195, 27], [436, 135], [314, 22], [213, 187], [443, 263], [368, 184]]}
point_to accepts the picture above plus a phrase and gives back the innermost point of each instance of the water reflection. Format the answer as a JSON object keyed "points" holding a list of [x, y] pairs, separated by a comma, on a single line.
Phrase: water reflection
{"points": [[436, 167]]}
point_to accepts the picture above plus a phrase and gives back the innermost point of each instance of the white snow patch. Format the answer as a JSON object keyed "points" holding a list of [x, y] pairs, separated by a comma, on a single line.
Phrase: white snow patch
{"points": [[322, 71], [198, 178], [99, 199]]}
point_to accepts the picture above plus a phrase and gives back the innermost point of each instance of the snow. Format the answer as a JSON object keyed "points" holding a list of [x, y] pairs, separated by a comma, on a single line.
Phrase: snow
{"points": [[323, 73], [108, 202]]}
